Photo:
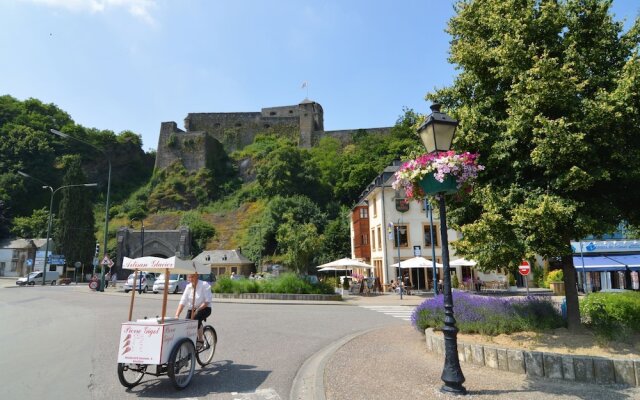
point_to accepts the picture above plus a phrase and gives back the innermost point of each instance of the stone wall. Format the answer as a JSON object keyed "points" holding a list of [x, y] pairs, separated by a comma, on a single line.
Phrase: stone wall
{"points": [[542, 364]]}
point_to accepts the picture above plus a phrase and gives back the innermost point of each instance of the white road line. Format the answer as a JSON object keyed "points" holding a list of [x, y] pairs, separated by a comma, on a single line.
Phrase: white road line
{"points": [[402, 312]]}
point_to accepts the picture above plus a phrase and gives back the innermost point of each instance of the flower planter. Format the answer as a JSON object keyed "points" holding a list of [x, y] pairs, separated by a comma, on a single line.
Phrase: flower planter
{"points": [[431, 186], [557, 288]]}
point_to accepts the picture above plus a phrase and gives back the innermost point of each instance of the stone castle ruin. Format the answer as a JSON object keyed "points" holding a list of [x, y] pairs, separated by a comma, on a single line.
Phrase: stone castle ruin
{"points": [[208, 134]]}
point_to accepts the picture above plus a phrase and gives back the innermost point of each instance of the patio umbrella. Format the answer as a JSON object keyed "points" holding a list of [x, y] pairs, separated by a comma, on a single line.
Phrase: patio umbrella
{"points": [[416, 262], [463, 262], [345, 264]]}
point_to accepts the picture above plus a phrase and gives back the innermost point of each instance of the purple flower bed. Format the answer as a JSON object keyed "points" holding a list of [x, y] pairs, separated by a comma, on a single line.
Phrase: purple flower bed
{"points": [[489, 315]]}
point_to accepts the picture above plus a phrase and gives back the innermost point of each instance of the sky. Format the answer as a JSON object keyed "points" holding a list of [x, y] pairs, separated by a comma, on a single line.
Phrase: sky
{"points": [[132, 64]]}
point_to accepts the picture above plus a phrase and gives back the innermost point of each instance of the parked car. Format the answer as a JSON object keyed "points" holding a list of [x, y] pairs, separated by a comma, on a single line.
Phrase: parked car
{"points": [[35, 278], [177, 283], [145, 279]]}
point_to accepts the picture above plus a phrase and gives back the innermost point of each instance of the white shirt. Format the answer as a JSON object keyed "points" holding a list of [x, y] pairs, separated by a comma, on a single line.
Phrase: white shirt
{"points": [[203, 295]]}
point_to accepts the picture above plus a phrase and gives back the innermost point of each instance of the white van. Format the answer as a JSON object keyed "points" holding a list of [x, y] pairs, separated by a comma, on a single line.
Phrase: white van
{"points": [[35, 278]]}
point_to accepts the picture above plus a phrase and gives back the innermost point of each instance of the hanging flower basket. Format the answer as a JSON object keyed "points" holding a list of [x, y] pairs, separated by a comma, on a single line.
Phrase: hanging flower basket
{"points": [[430, 185], [431, 174]]}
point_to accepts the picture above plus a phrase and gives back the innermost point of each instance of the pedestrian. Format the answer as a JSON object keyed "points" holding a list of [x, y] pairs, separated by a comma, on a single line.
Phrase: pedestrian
{"points": [[196, 296], [107, 278], [114, 279]]}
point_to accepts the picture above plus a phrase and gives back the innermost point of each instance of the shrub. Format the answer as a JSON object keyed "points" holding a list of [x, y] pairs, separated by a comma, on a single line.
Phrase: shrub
{"points": [[455, 283], [511, 279], [286, 283], [612, 315], [488, 315], [554, 276]]}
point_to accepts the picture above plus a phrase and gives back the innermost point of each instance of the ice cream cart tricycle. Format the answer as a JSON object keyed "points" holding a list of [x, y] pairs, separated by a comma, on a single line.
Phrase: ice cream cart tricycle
{"points": [[159, 346]]}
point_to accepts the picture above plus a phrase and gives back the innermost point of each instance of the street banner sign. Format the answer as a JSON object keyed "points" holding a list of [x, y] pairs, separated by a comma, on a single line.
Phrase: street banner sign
{"points": [[390, 230], [524, 268], [417, 251]]}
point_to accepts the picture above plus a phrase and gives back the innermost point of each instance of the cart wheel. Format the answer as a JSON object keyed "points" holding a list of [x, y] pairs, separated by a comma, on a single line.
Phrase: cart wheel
{"points": [[130, 374], [205, 355], [182, 363]]}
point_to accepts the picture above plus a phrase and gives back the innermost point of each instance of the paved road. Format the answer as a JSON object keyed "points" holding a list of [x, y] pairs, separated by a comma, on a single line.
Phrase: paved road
{"points": [[62, 341]]}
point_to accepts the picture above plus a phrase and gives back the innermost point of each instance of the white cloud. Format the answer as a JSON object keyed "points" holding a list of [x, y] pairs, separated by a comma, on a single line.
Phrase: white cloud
{"points": [[138, 8]]}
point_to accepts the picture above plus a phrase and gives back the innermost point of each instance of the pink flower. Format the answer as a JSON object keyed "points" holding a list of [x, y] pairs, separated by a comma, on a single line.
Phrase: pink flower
{"points": [[463, 167]]}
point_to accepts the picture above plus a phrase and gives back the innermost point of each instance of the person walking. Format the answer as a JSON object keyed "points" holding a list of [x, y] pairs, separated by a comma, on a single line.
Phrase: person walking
{"points": [[114, 279], [197, 299]]}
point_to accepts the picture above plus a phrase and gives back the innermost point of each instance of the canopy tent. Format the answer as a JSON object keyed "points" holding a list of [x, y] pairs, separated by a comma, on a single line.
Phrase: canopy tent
{"points": [[607, 263], [417, 262], [462, 262], [166, 265], [345, 264]]}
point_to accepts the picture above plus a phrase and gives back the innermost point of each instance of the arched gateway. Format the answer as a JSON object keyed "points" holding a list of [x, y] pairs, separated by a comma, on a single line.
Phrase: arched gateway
{"points": [[157, 243]]}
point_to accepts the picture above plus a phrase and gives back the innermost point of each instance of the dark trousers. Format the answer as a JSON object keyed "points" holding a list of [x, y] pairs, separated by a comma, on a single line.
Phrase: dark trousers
{"points": [[201, 315]]}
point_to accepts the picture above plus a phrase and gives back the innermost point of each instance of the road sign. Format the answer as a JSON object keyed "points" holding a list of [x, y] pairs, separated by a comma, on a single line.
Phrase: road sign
{"points": [[524, 268], [29, 262], [107, 261]]}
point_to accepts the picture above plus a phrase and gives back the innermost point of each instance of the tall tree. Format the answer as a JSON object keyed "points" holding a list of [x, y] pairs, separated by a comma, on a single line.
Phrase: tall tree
{"points": [[75, 233], [548, 94]]}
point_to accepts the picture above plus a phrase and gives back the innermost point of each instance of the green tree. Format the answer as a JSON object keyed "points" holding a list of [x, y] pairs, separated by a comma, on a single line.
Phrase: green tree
{"points": [[337, 240], [75, 231], [548, 93], [299, 243], [201, 231], [34, 226]]}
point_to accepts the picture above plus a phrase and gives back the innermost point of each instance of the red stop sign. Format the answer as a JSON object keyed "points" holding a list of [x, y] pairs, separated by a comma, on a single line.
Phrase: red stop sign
{"points": [[524, 268]]}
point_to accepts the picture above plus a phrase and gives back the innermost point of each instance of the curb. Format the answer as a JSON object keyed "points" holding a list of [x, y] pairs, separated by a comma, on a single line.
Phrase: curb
{"points": [[308, 383], [576, 368]]}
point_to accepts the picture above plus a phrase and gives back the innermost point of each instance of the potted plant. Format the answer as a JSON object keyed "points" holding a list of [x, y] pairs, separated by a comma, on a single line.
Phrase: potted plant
{"points": [[555, 279], [444, 172]]}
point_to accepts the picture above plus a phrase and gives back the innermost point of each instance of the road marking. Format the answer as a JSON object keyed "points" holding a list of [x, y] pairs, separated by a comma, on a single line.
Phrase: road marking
{"points": [[260, 394], [402, 312]]}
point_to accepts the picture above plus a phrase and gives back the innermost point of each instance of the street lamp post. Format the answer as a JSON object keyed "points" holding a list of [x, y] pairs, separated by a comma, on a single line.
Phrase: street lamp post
{"points": [[428, 209], [106, 214], [53, 192], [437, 135]]}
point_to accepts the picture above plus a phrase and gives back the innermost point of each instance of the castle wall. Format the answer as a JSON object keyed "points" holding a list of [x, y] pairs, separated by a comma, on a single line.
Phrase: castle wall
{"points": [[346, 136], [207, 134], [237, 130]]}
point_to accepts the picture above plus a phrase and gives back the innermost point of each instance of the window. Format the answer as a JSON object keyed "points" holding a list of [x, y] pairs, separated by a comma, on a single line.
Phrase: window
{"points": [[373, 239], [364, 212], [272, 113], [379, 239], [375, 207], [234, 269], [363, 239], [14, 266], [427, 235], [400, 233]]}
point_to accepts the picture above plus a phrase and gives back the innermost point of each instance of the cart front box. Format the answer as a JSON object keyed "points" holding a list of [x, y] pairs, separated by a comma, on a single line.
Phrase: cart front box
{"points": [[147, 341]]}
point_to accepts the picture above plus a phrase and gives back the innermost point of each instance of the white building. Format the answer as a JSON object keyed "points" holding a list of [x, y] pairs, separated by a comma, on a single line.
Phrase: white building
{"points": [[390, 217]]}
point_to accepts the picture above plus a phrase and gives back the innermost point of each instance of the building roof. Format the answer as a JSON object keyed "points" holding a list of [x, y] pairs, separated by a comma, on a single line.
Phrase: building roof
{"points": [[13, 243], [223, 257], [384, 179]]}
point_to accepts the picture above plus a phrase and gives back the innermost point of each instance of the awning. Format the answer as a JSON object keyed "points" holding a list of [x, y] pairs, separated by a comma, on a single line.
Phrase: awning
{"points": [[607, 263], [632, 261]]}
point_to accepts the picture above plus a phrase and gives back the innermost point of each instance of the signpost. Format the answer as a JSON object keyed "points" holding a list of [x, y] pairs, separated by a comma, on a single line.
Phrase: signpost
{"points": [[525, 269]]}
